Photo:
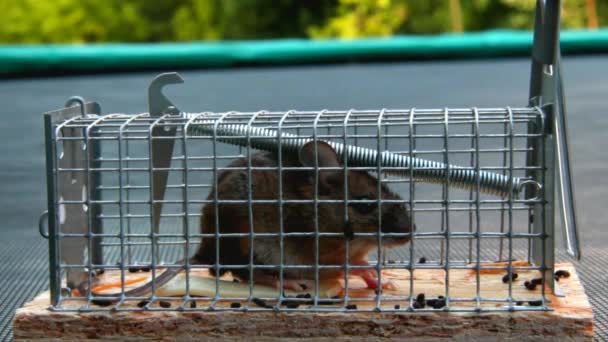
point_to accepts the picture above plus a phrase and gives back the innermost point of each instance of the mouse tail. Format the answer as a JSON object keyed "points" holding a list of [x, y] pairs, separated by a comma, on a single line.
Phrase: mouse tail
{"points": [[140, 291]]}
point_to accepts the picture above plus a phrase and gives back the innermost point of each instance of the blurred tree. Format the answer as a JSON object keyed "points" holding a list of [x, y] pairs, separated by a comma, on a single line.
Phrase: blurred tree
{"points": [[77, 21], [363, 18], [158, 15], [592, 20], [456, 15], [200, 20], [519, 14], [70, 21], [427, 17], [248, 19]]}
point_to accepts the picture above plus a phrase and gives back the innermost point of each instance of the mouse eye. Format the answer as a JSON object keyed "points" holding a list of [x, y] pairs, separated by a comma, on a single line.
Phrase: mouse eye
{"points": [[364, 207]]}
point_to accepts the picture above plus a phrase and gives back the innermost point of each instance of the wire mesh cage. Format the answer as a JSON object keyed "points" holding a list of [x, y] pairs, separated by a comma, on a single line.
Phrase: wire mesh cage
{"points": [[301, 210]]}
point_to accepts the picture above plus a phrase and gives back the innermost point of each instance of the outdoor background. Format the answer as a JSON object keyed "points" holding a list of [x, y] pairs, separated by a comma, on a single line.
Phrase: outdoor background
{"points": [[79, 21]]}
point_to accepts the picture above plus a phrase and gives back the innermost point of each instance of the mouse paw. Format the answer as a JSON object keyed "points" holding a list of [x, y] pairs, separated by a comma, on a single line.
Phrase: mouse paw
{"points": [[297, 285], [370, 278]]}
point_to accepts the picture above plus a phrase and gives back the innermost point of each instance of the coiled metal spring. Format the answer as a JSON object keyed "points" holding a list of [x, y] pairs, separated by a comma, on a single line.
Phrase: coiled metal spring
{"points": [[422, 169]]}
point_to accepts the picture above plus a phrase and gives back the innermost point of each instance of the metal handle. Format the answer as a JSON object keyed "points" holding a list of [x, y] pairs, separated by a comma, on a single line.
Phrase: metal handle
{"points": [[42, 229], [546, 88], [565, 187]]}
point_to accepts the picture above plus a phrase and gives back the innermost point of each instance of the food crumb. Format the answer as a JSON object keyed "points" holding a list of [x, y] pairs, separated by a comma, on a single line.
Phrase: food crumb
{"points": [[420, 298], [292, 305], [537, 281], [102, 302], [513, 276], [260, 302], [530, 286]]}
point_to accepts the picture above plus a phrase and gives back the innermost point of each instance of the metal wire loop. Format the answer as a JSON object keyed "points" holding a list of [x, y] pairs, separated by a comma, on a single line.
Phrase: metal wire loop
{"points": [[538, 188], [77, 100]]}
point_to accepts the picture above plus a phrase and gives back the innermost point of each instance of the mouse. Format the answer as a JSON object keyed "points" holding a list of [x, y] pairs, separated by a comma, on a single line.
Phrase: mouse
{"points": [[365, 215]]}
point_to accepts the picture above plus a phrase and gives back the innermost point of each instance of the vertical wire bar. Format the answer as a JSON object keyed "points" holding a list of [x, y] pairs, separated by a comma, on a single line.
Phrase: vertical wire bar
{"points": [[356, 132], [531, 142], [128, 198], [56, 299], [477, 214], [316, 204], [412, 185], [379, 201], [87, 158], [442, 244], [533, 212], [386, 145], [346, 195], [544, 215], [471, 164], [503, 204], [533, 159], [444, 195], [51, 193], [298, 126], [96, 194], [510, 205], [217, 265], [446, 199], [121, 203], [185, 223], [186, 206], [154, 246], [250, 209], [280, 202], [542, 244]]}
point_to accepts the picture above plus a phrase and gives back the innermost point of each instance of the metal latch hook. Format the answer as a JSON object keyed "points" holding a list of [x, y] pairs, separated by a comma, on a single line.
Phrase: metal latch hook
{"points": [[158, 103], [161, 149]]}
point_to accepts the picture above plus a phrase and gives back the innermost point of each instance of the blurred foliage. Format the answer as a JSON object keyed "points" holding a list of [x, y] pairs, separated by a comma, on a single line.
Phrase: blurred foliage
{"points": [[32, 21], [247, 19], [363, 18], [77, 21]]}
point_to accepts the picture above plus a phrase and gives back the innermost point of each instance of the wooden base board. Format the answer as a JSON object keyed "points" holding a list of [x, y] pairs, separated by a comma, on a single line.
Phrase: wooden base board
{"points": [[570, 319]]}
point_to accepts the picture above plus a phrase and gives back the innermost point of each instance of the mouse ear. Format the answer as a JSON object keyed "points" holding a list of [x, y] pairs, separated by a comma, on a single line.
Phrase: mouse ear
{"points": [[327, 155]]}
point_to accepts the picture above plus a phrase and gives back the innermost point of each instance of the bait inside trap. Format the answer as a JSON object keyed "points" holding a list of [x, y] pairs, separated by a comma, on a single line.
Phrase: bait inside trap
{"points": [[455, 213]]}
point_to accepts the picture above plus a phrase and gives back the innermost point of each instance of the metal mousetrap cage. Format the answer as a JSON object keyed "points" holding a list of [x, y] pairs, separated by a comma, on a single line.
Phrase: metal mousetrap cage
{"points": [[125, 191]]}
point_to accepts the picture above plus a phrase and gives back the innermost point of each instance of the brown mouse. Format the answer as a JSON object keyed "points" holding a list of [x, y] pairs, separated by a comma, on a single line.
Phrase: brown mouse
{"points": [[297, 218]]}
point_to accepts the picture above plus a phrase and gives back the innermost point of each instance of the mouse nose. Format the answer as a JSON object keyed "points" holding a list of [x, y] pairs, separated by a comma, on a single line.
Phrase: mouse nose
{"points": [[397, 224]]}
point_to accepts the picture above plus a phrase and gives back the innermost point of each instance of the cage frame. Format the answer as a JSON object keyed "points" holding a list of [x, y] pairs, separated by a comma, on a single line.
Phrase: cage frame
{"points": [[546, 94]]}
